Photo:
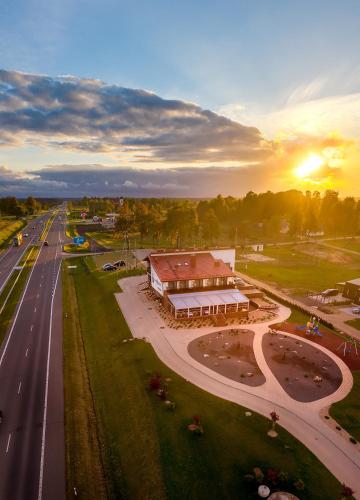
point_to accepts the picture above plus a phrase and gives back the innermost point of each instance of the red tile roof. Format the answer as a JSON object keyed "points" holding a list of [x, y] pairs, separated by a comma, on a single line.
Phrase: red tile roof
{"points": [[189, 266]]}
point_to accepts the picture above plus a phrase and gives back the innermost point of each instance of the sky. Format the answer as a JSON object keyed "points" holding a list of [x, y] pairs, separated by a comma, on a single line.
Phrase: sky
{"points": [[165, 98]]}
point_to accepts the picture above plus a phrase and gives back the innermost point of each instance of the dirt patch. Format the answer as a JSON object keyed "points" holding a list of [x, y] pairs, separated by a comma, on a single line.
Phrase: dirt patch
{"points": [[230, 353], [328, 254], [258, 257], [329, 340], [304, 372]]}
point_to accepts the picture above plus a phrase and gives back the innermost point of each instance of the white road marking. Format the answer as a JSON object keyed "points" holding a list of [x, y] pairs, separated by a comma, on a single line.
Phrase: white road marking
{"points": [[34, 309], [46, 394], [8, 443], [19, 389], [18, 310], [38, 295], [26, 353], [31, 328]]}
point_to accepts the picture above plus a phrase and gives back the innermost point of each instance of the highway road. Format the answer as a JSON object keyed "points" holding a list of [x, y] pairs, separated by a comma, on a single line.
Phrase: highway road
{"points": [[11, 256], [32, 454]]}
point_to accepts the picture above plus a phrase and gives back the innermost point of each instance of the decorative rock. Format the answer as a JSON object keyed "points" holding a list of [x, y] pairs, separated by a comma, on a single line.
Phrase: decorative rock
{"points": [[248, 414], [263, 491]]}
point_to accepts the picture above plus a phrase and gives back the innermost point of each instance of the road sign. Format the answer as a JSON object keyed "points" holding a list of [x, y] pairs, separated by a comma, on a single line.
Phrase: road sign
{"points": [[79, 240]]}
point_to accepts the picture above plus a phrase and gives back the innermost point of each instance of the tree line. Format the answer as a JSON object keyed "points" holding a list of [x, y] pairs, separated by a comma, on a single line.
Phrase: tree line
{"points": [[232, 220], [12, 206]]}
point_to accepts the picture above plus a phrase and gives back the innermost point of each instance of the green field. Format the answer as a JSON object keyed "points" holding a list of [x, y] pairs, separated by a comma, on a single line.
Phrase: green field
{"points": [[9, 228], [299, 272], [148, 451], [355, 323], [347, 411], [353, 244]]}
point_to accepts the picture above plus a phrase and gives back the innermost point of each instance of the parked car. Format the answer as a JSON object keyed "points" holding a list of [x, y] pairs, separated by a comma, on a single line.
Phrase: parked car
{"points": [[26, 235], [356, 310], [46, 243], [120, 263], [109, 267]]}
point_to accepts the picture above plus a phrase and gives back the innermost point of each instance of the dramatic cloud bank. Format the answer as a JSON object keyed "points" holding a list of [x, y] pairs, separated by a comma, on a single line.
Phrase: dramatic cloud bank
{"points": [[80, 180], [90, 116]]}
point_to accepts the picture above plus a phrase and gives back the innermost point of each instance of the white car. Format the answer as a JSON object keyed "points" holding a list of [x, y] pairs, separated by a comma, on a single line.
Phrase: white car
{"points": [[356, 310]]}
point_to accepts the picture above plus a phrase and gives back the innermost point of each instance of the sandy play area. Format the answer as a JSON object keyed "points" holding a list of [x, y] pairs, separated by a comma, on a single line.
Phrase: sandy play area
{"points": [[230, 353], [304, 372]]}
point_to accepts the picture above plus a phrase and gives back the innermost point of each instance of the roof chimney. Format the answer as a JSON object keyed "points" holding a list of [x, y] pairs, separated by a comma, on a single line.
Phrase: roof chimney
{"points": [[193, 260], [217, 263]]}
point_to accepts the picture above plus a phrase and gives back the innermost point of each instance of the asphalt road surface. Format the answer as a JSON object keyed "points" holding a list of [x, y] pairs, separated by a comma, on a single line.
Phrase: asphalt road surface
{"points": [[32, 454], [11, 256]]}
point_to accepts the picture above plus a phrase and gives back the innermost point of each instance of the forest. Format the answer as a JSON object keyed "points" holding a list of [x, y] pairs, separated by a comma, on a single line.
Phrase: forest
{"points": [[223, 220]]}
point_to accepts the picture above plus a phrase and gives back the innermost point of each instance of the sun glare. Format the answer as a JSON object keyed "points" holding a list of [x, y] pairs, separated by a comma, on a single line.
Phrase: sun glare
{"points": [[309, 166]]}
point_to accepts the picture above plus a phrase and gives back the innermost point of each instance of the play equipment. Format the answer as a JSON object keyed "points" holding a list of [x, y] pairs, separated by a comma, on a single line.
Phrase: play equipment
{"points": [[348, 345], [311, 327]]}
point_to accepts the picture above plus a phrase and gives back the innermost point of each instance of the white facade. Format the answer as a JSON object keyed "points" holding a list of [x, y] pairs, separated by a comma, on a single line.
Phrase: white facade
{"points": [[227, 255]]}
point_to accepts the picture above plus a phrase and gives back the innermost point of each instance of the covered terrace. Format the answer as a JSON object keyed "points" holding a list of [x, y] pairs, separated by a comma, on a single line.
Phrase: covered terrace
{"points": [[208, 303]]}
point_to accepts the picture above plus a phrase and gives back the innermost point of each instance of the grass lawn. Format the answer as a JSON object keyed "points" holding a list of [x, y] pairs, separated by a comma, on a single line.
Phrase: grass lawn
{"points": [[354, 323], [84, 467], [148, 452], [347, 411], [299, 272], [8, 228], [111, 257], [11, 293], [349, 244]]}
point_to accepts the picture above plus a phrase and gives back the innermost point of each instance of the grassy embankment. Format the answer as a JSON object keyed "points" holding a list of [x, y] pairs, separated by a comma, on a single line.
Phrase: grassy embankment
{"points": [[11, 294], [8, 229], [148, 451], [299, 272], [71, 232]]}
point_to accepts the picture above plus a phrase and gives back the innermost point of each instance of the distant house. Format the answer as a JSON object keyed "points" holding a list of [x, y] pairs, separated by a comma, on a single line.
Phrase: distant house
{"points": [[258, 247], [196, 283], [352, 290], [314, 234]]}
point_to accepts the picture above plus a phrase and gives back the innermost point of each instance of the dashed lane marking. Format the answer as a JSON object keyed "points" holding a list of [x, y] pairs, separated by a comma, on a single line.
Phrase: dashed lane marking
{"points": [[8, 443], [19, 388]]}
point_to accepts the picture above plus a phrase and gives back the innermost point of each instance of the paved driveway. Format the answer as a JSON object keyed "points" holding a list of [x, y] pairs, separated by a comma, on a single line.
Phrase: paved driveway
{"points": [[304, 420]]}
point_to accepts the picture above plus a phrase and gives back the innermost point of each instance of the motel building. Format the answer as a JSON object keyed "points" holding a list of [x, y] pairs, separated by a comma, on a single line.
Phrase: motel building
{"points": [[197, 283]]}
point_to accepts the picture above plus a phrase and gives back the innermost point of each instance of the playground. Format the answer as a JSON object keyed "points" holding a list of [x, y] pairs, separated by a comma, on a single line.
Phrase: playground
{"points": [[304, 372], [230, 353], [346, 348]]}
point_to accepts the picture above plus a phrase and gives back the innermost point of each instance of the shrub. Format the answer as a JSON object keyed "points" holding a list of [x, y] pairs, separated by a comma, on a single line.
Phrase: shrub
{"points": [[154, 383]]}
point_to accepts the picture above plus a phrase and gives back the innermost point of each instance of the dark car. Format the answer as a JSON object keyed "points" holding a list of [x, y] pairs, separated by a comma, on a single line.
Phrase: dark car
{"points": [[46, 244], [120, 263], [109, 267]]}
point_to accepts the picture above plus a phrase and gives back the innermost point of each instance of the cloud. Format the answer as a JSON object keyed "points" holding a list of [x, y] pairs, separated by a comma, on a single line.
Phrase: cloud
{"points": [[94, 180], [306, 115], [90, 116]]}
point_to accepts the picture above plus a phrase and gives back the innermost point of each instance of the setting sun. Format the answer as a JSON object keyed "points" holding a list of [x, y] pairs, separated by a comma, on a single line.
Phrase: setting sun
{"points": [[309, 166]]}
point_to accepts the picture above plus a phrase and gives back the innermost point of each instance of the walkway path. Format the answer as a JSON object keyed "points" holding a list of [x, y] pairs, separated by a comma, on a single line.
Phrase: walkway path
{"points": [[304, 420]]}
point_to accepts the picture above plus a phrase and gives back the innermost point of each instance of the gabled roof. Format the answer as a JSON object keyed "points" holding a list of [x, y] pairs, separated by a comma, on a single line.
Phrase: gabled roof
{"points": [[190, 266], [354, 282]]}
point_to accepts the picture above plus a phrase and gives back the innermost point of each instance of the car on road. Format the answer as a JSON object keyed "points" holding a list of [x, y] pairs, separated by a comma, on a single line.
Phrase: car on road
{"points": [[356, 310], [109, 267], [46, 243]]}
